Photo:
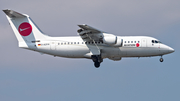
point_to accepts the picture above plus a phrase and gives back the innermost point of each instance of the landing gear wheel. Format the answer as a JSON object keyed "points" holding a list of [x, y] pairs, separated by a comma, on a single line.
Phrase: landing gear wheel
{"points": [[97, 64], [161, 60], [97, 59]]}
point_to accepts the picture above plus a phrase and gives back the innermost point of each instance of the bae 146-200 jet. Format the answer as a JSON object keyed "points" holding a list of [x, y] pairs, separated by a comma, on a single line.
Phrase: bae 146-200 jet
{"points": [[91, 42]]}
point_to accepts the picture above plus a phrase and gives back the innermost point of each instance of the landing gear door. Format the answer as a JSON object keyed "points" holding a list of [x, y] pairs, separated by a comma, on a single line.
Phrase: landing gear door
{"points": [[143, 43]]}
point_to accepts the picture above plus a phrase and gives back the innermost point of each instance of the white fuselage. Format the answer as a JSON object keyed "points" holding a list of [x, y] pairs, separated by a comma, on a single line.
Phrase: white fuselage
{"points": [[91, 42], [75, 47]]}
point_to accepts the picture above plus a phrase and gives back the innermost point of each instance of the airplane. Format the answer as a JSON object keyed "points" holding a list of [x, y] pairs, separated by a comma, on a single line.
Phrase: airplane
{"points": [[91, 43]]}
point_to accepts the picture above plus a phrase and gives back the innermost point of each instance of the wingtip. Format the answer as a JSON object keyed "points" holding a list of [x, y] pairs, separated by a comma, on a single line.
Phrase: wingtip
{"points": [[82, 25]]}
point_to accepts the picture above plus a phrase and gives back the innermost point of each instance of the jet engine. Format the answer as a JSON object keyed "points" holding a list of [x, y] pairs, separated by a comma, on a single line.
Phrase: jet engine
{"points": [[112, 40]]}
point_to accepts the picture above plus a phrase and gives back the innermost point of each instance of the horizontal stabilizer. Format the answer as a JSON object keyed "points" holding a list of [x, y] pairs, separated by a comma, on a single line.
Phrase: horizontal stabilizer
{"points": [[13, 14]]}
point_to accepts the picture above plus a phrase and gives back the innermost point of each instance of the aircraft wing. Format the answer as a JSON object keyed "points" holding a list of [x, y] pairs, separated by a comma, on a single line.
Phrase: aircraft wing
{"points": [[86, 27], [89, 33], [92, 35]]}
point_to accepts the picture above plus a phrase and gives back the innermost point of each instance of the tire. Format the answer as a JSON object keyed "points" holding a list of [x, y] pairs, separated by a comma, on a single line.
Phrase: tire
{"points": [[96, 64], [161, 60]]}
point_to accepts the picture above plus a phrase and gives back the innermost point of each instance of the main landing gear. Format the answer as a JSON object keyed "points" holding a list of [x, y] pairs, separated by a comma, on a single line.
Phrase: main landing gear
{"points": [[161, 59], [97, 60]]}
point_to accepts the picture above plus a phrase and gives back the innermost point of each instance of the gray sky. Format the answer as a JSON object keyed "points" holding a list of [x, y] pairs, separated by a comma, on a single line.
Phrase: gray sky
{"points": [[27, 75]]}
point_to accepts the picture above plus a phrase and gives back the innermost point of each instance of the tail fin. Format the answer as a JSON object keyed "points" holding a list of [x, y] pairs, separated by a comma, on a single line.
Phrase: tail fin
{"points": [[24, 28]]}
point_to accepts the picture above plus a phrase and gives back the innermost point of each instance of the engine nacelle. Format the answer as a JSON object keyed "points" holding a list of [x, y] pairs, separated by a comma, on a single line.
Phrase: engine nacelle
{"points": [[112, 40]]}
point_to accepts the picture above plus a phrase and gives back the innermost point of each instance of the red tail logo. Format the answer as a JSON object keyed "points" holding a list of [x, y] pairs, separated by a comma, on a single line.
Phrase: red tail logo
{"points": [[25, 29]]}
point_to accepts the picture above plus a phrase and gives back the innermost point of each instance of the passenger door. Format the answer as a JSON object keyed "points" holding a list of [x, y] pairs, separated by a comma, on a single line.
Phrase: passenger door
{"points": [[143, 43]]}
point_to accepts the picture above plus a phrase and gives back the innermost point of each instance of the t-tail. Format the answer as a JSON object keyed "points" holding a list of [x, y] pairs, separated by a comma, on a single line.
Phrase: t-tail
{"points": [[24, 28]]}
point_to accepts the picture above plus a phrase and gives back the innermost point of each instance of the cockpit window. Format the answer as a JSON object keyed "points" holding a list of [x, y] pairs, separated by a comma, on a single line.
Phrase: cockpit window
{"points": [[155, 41], [152, 41]]}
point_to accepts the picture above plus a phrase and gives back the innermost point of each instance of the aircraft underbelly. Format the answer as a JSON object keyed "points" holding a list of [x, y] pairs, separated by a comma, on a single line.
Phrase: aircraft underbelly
{"points": [[71, 51], [135, 52], [142, 52]]}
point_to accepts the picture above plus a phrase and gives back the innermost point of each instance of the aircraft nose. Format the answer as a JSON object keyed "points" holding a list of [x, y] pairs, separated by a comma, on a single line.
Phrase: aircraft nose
{"points": [[166, 49], [171, 50]]}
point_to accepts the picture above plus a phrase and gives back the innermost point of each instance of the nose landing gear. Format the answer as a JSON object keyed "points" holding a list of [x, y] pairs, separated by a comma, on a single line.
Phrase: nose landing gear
{"points": [[161, 59]]}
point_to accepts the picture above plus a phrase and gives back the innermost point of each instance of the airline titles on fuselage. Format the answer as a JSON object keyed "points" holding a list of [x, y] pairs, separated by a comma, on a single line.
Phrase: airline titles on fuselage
{"points": [[129, 45]]}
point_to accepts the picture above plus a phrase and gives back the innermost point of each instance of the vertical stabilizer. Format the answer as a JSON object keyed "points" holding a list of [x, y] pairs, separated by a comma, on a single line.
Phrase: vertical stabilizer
{"points": [[23, 27]]}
